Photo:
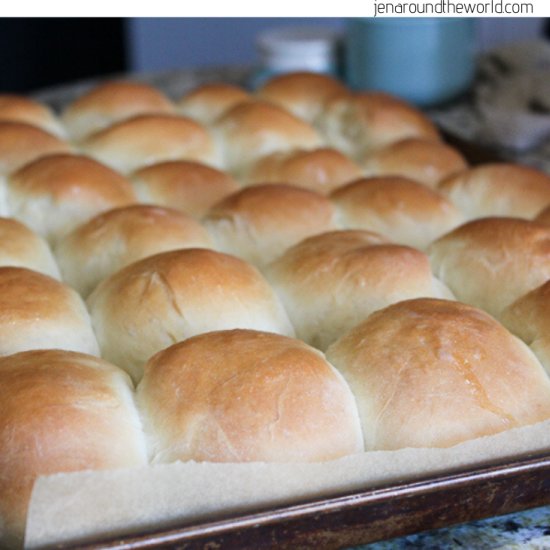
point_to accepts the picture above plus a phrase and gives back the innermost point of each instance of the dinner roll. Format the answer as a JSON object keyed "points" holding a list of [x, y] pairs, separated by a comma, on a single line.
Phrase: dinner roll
{"points": [[490, 263], [405, 211], [208, 102], [422, 160], [21, 247], [366, 121], [22, 143], [304, 94], [254, 129], [434, 373], [55, 194], [61, 412], [38, 312], [243, 395], [18, 108], [148, 139], [4, 208], [191, 187], [112, 102], [544, 216], [158, 301], [259, 223], [499, 190], [331, 282], [116, 238], [321, 170], [529, 318]]}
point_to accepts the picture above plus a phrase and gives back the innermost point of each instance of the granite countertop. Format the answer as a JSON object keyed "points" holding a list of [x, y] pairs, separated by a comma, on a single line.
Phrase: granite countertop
{"points": [[528, 529]]}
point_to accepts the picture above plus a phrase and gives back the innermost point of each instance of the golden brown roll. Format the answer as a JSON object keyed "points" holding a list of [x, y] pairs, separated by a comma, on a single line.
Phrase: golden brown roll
{"points": [[490, 263], [163, 299], [499, 190], [260, 222], [529, 318], [38, 312], [21, 247], [191, 187], [208, 102], [119, 237], [55, 194], [434, 373], [331, 282], [364, 122], [16, 108], [254, 129], [321, 170], [543, 216], [304, 94], [147, 139], [61, 412], [403, 210], [243, 395], [22, 143], [422, 160], [112, 102]]}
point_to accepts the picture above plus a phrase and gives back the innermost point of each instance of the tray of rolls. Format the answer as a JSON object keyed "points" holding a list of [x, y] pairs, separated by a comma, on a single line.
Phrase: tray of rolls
{"points": [[289, 317]]}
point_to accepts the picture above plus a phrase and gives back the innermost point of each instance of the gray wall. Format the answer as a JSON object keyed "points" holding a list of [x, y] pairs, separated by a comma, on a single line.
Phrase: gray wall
{"points": [[158, 44], [492, 31], [161, 43]]}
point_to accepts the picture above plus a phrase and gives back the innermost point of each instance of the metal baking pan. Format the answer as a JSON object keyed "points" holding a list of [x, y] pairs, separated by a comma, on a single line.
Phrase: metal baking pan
{"points": [[366, 516]]}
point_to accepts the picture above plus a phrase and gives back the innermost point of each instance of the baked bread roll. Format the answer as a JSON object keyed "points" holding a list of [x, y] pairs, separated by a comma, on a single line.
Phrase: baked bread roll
{"points": [[147, 139], [21, 247], [490, 263], [403, 210], [61, 412], [208, 102], [243, 395], [16, 108], [434, 373], [304, 94], [191, 187], [321, 170], [158, 301], [119, 237], [259, 223], [254, 129], [366, 121], [499, 190], [529, 318], [112, 102], [22, 143], [544, 216], [38, 312], [422, 160], [331, 282], [55, 194]]}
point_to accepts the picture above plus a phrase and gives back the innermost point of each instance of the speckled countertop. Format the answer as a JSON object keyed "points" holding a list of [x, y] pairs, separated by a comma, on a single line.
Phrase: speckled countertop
{"points": [[529, 529]]}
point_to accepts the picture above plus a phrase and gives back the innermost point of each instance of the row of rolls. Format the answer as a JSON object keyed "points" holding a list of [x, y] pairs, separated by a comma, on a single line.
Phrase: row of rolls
{"points": [[296, 275]]}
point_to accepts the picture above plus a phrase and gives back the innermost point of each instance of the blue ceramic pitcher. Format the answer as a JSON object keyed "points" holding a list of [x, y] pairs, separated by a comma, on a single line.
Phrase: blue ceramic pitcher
{"points": [[424, 60]]}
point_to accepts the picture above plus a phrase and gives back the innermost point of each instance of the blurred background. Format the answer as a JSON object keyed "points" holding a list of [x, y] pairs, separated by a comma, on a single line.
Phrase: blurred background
{"points": [[37, 53]]}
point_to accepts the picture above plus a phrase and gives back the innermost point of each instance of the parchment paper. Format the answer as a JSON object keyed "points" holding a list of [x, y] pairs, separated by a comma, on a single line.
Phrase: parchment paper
{"points": [[87, 505]]}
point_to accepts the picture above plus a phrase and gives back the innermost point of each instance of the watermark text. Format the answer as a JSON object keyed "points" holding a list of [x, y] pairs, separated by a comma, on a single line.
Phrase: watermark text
{"points": [[451, 7]]}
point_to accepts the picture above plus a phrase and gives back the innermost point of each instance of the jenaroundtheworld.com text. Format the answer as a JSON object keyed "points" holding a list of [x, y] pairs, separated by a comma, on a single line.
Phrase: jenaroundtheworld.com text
{"points": [[451, 7]]}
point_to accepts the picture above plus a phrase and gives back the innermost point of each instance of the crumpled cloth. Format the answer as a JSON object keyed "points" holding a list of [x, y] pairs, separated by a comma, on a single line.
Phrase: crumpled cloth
{"points": [[508, 108]]}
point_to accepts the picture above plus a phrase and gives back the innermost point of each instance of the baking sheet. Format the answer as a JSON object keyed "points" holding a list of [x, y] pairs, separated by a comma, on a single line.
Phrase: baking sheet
{"points": [[66, 509], [70, 508]]}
